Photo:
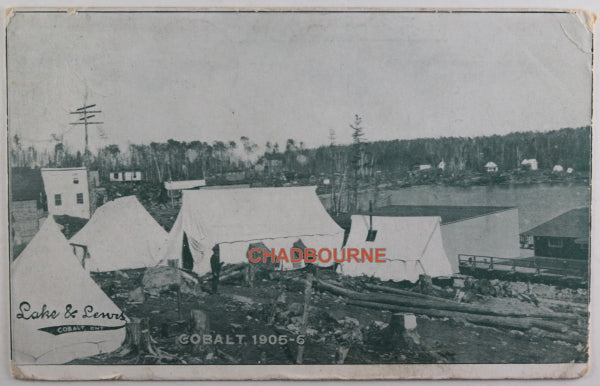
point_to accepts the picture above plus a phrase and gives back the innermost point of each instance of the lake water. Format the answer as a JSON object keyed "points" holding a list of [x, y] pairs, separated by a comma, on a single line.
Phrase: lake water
{"points": [[537, 203]]}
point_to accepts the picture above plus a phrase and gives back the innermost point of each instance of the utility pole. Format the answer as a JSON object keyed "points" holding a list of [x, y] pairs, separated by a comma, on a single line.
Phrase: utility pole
{"points": [[86, 114]]}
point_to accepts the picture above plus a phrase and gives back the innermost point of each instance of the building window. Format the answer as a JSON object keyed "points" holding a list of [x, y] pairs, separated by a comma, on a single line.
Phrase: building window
{"points": [[116, 176], [80, 198], [555, 242], [57, 200], [75, 180], [134, 176]]}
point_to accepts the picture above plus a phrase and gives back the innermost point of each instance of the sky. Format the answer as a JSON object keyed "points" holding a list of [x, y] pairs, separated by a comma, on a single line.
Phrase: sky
{"points": [[274, 76]]}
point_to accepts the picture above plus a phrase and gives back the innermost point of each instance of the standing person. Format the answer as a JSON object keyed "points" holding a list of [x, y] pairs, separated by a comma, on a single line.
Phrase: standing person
{"points": [[215, 266]]}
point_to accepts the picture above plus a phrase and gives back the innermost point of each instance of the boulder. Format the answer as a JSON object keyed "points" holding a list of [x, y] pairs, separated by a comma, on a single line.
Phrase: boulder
{"points": [[165, 278], [296, 309], [136, 295]]}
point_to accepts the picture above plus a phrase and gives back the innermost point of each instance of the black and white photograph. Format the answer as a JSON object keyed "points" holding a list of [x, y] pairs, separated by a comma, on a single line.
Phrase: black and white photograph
{"points": [[275, 194]]}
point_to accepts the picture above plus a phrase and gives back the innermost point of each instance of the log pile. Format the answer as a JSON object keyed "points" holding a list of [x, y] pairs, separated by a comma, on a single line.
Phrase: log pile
{"points": [[554, 325]]}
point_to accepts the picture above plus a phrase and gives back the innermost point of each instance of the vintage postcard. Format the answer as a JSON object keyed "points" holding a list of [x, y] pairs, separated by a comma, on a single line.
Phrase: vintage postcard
{"points": [[299, 194]]}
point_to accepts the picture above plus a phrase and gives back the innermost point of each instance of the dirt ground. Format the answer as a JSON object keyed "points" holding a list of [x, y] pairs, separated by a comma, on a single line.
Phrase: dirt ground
{"points": [[268, 317]]}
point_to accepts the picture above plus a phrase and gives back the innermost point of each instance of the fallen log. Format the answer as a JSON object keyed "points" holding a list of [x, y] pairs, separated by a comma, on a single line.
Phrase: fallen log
{"points": [[401, 291], [232, 275], [226, 272], [553, 330], [439, 304], [577, 308]]}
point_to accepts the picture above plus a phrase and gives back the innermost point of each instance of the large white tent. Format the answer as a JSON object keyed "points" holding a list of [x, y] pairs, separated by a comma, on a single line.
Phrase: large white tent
{"points": [[47, 276], [236, 218], [413, 246], [120, 235]]}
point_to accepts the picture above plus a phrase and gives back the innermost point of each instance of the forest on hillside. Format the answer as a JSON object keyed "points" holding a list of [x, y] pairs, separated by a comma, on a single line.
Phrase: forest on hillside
{"points": [[179, 160]]}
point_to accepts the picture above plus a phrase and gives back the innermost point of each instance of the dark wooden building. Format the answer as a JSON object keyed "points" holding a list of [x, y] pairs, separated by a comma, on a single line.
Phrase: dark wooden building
{"points": [[566, 236], [27, 205]]}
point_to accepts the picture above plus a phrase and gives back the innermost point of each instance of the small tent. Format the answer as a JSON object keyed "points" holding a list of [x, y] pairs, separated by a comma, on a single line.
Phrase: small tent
{"points": [[236, 218], [51, 295], [120, 235], [413, 246]]}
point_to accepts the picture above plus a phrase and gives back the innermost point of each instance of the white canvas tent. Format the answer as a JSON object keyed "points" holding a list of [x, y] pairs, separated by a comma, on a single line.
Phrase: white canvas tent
{"points": [[120, 235], [46, 275], [235, 218], [413, 246]]}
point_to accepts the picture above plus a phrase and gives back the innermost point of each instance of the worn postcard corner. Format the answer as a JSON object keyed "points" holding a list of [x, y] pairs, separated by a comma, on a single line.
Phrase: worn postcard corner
{"points": [[327, 194]]}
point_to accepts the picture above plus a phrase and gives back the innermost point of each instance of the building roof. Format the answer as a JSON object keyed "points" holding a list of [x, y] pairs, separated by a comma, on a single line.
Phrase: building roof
{"points": [[572, 224], [26, 184], [231, 215], [183, 185], [63, 169], [491, 165], [449, 214]]}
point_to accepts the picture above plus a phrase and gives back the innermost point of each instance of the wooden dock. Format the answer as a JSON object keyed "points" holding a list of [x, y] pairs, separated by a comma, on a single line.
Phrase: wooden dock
{"points": [[534, 265]]}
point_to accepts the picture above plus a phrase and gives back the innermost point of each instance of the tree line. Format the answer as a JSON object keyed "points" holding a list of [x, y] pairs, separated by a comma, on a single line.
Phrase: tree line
{"points": [[359, 160]]}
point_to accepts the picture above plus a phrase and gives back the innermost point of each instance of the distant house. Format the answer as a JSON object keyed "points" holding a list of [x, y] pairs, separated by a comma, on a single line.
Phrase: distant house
{"points": [[235, 176], [125, 176], [273, 165], [557, 169], [442, 165], [133, 176], [26, 204], [491, 167], [566, 236], [569, 170], [468, 230], [530, 164], [68, 192], [116, 176], [425, 167]]}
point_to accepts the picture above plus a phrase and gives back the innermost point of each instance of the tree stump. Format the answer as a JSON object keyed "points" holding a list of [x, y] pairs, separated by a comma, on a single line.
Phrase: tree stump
{"points": [[341, 354], [425, 284], [137, 338], [177, 289], [199, 324], [303, 327], [133, 334], [249, 275], [403, 328]]}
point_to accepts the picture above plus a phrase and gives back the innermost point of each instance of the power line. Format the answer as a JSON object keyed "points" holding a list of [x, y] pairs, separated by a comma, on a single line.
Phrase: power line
{"points": [[84, 120]]}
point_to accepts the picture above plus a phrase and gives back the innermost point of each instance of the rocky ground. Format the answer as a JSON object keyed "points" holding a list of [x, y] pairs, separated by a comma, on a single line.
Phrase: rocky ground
{"points": [[270, 318]]}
